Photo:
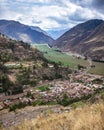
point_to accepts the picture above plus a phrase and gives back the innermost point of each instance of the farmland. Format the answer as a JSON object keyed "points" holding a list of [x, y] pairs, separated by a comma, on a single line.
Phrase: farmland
{"points": [[54, 54], [99, 68], [70, 60]]}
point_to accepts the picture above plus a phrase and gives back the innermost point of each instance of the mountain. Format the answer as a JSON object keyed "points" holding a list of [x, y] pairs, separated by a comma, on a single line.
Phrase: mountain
{"points": [[56, 33], [36, 28], [25, 33], [86, 39]]}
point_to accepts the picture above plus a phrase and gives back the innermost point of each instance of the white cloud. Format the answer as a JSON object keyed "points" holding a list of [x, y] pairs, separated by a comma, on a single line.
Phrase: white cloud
{"points": [[48, 14]]}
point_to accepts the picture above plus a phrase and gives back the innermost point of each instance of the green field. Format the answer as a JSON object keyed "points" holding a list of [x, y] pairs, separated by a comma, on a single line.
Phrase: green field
{"points": [[99, 68], [54, 54]]}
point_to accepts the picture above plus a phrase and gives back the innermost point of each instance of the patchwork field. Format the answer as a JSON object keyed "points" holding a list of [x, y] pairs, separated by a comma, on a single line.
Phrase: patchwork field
{"points": [[70, 60]]}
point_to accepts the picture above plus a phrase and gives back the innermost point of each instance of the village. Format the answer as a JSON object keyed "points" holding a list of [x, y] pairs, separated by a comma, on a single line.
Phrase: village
{"points": [[53, 91]]}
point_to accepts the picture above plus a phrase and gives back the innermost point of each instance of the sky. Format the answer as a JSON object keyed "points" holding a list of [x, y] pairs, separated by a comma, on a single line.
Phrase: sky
{"points": [[51, 14]]}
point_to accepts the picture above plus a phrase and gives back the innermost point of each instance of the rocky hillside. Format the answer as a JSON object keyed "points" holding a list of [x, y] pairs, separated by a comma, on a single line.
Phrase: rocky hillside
{"points": [[11, 50], [22, 65], [86, 39], [21, 32]]}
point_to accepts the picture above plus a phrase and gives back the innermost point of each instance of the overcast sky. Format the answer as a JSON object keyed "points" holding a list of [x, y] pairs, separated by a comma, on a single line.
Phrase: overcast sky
{"points": [[51, 14]]}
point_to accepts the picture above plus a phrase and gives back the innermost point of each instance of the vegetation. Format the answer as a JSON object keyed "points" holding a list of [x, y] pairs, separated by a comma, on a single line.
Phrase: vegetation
{"points": [[88, 117], [98, 69], [23, 79], [65, 101], [5, 57], [17, 106], [6, 83], [55, 55], [44, 88], [81, 67], [34, 68], [17, 89], [97, 81], [69, 60]]}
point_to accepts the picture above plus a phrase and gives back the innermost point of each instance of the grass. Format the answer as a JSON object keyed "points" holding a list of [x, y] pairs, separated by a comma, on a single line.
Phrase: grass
{"points": [[88, 117], [77, 104], [99, 68], [54, 54], [44, 88]]}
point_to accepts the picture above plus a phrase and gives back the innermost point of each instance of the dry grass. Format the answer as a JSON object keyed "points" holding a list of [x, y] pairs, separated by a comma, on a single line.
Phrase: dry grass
{"points": [[90, 117]]}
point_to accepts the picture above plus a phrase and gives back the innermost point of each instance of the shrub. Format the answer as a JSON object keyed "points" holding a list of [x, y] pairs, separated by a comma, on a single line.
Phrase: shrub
{"points": [[44, 88], [17, 106], [97, 81], [17, 90], [65, 100]]}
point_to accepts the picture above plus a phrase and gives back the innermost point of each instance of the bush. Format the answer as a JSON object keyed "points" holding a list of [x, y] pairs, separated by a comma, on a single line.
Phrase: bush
{"points": [[6, 83], [33, 82], [23, 79], [57, 75], [39, 102], [44, 88], [102, 96], [68, 101], [48, 77], [65, 101], [43, 102], [1, 90], [97, 81], [17, 90], [17, 106], [45, 64], [77, 104]]}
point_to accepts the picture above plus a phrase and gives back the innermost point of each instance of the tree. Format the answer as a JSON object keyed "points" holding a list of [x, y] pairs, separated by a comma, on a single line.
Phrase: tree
{"points": [[6, 83]]}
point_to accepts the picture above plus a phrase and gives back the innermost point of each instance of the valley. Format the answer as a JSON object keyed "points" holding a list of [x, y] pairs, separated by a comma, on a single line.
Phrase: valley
{"points": [[38, 81], [70, 59]]}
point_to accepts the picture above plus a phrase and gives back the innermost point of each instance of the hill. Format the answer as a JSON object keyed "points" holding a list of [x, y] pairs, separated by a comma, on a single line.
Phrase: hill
{"points": [[23, 65], [25, 33], [86, 39], [89, 117]]}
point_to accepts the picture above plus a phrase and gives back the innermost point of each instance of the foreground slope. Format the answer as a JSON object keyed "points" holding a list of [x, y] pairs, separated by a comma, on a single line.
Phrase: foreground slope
{"points": [[86, 39], [18, 31], [90, 117]]}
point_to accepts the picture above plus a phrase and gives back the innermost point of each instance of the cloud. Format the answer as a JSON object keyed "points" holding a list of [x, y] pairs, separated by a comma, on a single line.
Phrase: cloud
{"points": [[82, 3], [98, 5], [51, 14]]}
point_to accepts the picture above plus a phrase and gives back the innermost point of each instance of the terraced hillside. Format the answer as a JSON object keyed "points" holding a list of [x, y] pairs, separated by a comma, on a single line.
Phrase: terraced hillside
{"points": [[23, 65]]}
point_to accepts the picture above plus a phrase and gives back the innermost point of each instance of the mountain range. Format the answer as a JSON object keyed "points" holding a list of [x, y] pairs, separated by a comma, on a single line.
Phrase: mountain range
{"points": [[86, 39], [16, 30], [55, 34]]}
